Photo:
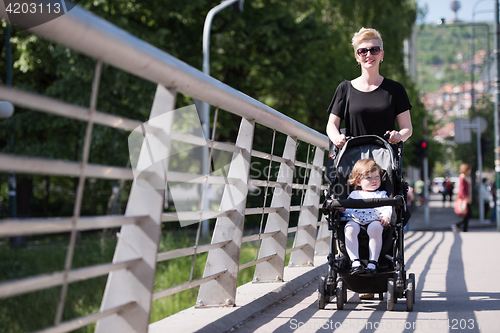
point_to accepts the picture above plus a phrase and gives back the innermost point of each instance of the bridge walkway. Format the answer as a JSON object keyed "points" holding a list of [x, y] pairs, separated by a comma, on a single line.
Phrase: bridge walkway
{"points": [[456, 289]]}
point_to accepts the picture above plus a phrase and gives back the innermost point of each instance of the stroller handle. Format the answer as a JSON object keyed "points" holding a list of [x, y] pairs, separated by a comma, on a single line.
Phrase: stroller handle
{"points": [[397, 201]]}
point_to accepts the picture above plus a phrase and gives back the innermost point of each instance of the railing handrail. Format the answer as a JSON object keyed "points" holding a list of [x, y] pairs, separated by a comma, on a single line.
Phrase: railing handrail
{"points": [[81, 30]]}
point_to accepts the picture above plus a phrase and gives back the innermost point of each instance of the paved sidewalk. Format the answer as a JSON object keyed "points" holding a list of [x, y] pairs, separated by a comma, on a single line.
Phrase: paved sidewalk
{"points": [[441, 218], [455, 287], [455, 291]]}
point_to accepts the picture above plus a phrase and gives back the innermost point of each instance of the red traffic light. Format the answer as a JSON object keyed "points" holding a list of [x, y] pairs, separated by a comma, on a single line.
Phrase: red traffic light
{"points": [[420, 150]]}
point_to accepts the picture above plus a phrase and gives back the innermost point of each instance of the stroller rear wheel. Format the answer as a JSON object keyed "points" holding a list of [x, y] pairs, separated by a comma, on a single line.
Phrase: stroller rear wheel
{"points": [[410, 295], [412, 276], [390, 295]]}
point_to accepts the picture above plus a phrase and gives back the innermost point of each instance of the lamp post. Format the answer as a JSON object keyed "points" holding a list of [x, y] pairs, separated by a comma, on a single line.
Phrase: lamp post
{"points": [[496, 61], [474, 12], [15, 241], [205, 107], [472, 79], [6, 111], [472, 45]]}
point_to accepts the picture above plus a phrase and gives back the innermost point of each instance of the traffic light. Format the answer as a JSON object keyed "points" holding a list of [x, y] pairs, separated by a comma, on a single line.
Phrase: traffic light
{"points": [[425, 152], [420, 150]]}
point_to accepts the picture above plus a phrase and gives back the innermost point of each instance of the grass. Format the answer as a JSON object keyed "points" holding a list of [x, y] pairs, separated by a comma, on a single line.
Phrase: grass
{"points": [[177, 271], [35, 311]]}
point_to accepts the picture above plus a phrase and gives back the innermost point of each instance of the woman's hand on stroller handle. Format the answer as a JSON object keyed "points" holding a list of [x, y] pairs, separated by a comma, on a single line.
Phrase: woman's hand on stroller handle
{"points": [[340, 140], [393, 137]]}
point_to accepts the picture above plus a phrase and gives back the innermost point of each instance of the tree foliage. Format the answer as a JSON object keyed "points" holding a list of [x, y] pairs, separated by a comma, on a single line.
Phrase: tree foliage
{"points": [[444, 53], [288, 54]]}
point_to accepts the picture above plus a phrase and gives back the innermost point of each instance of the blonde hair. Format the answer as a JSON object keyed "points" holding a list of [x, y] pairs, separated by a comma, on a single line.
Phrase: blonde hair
{"points": [[366, 34], [464, 168], [361, 168]]}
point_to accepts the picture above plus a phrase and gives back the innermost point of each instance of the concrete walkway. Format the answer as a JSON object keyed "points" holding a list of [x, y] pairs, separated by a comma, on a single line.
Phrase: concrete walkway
{"points": [[456, 290], [251, 300], [441, 217], [456, 286]]}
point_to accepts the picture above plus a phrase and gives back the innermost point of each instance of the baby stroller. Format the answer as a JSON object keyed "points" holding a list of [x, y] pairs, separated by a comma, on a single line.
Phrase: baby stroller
{"points": [[390, 277]]}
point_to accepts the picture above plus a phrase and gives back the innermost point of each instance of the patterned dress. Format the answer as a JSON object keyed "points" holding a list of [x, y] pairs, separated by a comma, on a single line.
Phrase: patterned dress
{"points": [[365, 216]]}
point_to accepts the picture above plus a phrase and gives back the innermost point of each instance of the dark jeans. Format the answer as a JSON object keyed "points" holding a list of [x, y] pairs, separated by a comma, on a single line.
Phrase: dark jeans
{"points": [[447, 194], [465, 221], [486, 210], [493, 217]]}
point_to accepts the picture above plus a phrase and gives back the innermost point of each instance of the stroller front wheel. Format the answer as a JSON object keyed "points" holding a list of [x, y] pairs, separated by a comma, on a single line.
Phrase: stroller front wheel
{"points": [[340, 294], [321, 293]]}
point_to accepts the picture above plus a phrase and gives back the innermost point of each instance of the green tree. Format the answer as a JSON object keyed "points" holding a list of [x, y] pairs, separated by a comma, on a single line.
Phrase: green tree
{"points": [[444, 53], [290, 55]]}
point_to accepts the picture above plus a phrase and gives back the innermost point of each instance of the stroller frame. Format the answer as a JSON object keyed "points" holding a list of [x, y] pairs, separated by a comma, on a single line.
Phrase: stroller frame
{"points": [[393, 280]]}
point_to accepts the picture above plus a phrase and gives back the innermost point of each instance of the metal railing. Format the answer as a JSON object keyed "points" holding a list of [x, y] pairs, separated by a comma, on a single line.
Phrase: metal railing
{"points": [[129, 292]]}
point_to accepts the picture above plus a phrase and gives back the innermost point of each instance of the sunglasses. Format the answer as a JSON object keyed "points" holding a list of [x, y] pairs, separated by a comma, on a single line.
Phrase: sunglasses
{"points": [[373, 50]]}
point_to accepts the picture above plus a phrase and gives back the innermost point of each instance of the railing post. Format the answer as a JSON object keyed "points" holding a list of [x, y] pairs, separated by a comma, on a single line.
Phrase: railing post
{"points": [[308, 218], [222, 290], [323, 238], [273, 269], [141, 240]]}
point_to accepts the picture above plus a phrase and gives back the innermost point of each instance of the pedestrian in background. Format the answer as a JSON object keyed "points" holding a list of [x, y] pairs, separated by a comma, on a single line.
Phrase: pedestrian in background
{"points": [[485, 194], [464, 193], [419, 191], [494, 199], [447, 191]]}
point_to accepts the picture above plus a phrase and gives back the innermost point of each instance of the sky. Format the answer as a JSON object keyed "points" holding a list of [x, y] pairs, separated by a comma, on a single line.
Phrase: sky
{"points": [[441, 9]]}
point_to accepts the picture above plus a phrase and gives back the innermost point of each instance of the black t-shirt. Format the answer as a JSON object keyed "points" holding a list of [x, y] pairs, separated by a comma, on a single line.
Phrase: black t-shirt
{"points": [[371, 112]]}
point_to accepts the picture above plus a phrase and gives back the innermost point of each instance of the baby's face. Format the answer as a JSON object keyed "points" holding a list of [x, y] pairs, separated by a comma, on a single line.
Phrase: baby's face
{"points": [[370, 182]]}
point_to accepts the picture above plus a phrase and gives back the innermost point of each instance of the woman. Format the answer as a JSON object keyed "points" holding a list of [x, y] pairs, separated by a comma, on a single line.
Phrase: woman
{"points": [[374, 103], [465, 193]]}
